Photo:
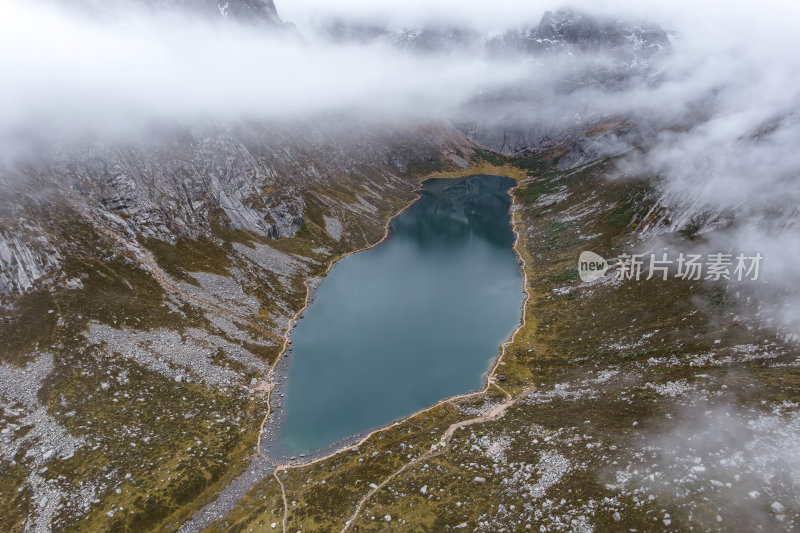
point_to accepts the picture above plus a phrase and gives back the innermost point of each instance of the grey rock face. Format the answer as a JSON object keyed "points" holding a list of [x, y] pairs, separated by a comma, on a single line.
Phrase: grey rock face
{"points": [[427, 39], [556, 31], [587, 33], [24, 261], [171, 190], [186, 182], [257, 11], [76, 214], [567, 30], [251, 10]]}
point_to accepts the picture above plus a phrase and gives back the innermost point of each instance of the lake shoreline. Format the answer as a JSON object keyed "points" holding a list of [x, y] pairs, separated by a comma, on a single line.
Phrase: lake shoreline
{"points": [[270, 429], [278, 374], [273, 421]]}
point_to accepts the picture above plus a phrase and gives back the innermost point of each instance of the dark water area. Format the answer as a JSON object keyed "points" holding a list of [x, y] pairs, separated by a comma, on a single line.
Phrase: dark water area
{"points": [[416, 319]]}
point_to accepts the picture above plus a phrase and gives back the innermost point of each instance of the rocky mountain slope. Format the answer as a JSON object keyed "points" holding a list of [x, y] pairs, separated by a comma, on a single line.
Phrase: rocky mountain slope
{"points": [[574, 31], [147, 288], [257, 11], [147, 285], [559, 31], [626, 404]]}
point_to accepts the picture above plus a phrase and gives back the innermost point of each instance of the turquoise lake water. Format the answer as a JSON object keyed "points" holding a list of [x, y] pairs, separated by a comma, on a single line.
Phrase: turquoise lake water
{"points": [[416, 319]]}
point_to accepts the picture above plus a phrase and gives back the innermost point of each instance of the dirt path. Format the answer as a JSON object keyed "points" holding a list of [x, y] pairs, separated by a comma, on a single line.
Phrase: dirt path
{"points": [[283, 497], [261, 464], [491, 381], [438, 449]]}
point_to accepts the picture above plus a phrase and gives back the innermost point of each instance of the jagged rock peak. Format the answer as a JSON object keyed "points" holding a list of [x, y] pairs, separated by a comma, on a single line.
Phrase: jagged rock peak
{"points": [[427, 38], [569, 30], [257, 11], [253, 10], [586, 31]]}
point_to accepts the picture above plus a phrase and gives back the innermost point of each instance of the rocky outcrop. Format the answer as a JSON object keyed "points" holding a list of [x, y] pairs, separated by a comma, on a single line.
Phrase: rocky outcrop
{"points": [[574, 31], [24, 261], [426, 39], [256, 11], [562, 30], [142, 331], [198, 181], [172, 189], [259, 10]]}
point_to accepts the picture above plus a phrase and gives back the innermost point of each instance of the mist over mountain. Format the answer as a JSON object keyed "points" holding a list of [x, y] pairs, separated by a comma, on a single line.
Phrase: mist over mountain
{"points": [[124, 71], [557, 31], [689, 88], [255, 11], [178, 176]]}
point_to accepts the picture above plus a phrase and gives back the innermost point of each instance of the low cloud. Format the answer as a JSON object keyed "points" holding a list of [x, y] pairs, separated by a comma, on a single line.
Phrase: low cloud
{"points": [[719, 464], [721, 105], [70, 74]]}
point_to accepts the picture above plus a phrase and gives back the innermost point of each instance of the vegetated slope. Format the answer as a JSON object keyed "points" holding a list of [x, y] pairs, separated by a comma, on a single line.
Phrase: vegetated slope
{"points": [[147, 288], [658, 405]]}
